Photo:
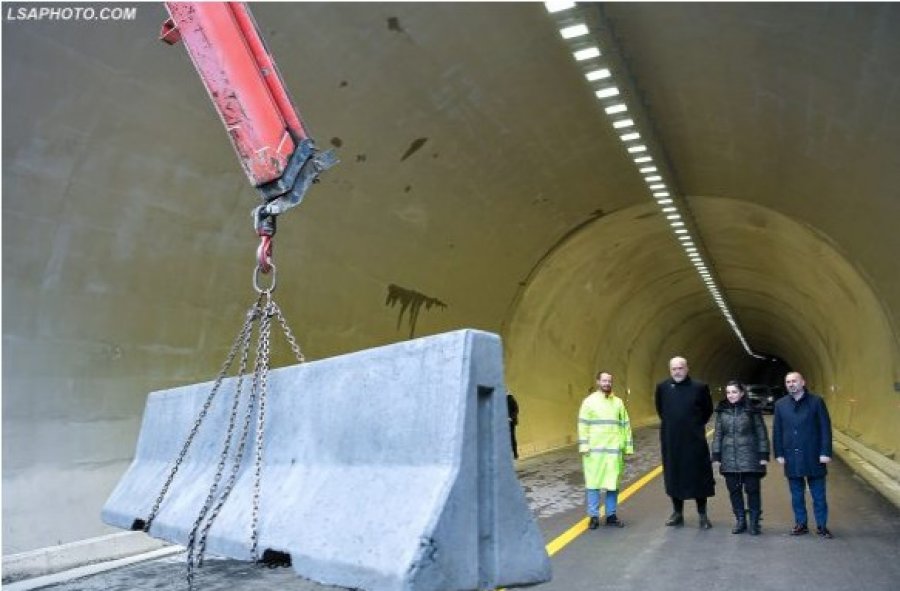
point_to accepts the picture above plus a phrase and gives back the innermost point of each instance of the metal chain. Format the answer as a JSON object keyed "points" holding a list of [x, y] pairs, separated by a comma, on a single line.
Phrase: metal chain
{"points": [[255, 394], [288, 334], [242, 336], [194, 558], [263, 373], [256, 401]]}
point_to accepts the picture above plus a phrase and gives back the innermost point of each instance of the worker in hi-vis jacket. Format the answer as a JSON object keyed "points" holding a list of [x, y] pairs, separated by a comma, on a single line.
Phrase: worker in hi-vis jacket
{"points": [[604, 439]]}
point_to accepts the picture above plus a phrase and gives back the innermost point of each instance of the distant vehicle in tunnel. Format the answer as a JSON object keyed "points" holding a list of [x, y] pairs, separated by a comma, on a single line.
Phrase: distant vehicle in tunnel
{"points": [[763, 397]]}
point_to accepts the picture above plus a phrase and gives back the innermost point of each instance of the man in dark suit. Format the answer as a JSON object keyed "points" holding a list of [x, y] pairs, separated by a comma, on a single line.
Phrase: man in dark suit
{"points": [[801, 437], [684, 405]]}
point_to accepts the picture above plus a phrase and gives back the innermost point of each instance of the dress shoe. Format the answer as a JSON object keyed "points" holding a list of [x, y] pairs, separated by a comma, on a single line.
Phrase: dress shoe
{"points": [[704, 522], [824, 533], [676, 519], [800, 529], [613, 521], [594, 522]]}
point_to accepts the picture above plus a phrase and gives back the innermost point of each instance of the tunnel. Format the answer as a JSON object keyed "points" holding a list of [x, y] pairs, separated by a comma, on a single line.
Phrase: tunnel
{"points": [[481, 185]]}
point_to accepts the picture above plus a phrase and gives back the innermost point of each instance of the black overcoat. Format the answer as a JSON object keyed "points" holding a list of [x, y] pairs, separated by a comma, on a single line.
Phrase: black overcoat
{"points": [[684, 408]]}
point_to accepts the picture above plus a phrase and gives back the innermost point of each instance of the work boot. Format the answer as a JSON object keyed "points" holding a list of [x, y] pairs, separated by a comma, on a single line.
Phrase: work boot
{"points": [[740, 526], [613, 521], [754, 523], [704, 522], [594, 522], [675, 519]]}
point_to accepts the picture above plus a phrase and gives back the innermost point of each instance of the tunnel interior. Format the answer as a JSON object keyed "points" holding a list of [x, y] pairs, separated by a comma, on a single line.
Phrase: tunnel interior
{"points": [[480, 186]]}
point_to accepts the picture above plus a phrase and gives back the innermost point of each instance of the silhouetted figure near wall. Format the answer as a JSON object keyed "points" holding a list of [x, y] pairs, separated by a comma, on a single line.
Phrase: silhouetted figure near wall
{"points": [[512, 409]]}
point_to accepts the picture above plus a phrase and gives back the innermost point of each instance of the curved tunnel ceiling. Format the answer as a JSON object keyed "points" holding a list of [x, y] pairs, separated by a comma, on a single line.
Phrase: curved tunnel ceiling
{"points": [[480, 181]]}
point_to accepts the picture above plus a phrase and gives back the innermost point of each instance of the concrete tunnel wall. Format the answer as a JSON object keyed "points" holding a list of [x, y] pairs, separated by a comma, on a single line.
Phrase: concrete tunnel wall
{"points": [[127, 249]]}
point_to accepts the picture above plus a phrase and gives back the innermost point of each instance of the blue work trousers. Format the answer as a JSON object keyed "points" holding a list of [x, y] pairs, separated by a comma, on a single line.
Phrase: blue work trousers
{"points": [[593, 502], [816, 491]]}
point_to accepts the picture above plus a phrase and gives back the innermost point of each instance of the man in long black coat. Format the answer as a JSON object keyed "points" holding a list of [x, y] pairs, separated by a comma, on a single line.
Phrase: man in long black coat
{"points": [[684, 405]]}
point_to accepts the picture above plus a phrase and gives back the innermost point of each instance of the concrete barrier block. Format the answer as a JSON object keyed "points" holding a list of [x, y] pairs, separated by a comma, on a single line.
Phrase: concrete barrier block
{"points": [[385, 469]]}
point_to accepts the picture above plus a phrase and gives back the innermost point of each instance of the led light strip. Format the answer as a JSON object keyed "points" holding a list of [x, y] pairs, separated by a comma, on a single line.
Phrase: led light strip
{"points": [[589, 53]]}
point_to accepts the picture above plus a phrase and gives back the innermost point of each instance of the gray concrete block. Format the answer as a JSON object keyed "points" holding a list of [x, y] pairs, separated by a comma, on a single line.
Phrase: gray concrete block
{"points": [[385, 469]]}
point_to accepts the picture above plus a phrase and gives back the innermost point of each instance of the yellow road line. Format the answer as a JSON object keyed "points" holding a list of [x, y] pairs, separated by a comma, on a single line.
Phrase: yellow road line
{"points": [[579, 528]]}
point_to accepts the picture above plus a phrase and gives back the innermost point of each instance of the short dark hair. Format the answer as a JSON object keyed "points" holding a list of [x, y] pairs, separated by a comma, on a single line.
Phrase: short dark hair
{"points": [[601, 372]]}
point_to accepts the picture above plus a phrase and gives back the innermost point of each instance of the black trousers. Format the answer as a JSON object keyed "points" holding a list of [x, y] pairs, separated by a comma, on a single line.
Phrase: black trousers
{"points": [[678, 505], [512, 440], [737, 484]]}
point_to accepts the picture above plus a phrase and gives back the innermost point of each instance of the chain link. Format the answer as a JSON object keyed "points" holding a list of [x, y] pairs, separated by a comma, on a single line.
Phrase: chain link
{"points": [[242, 336], [263, 312], [263, 367], [195, 558], [289, 335]]}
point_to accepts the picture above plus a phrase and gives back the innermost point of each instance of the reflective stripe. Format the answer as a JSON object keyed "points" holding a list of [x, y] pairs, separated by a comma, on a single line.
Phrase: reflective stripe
{"points": [[582, 441], [606, 450], [599, 421]]}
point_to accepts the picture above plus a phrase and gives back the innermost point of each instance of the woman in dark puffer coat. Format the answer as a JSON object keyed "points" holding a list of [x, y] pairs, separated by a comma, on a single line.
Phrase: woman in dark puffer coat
{"points": [[741, 444]]}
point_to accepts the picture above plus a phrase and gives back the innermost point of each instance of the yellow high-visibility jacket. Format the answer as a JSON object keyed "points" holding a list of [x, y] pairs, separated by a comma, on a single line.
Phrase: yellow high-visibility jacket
{"points": [[604, 438]]}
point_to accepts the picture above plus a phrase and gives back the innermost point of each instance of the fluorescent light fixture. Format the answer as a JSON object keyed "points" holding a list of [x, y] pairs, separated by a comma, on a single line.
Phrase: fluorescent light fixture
{"points": [[607, 92], [600, 74], [586, 54], [558, 5], [574, 31], [587, 48]]}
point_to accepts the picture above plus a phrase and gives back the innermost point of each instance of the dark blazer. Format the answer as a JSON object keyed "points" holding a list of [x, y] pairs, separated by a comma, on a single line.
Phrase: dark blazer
{"points": [[801, 433], [684, 408]]}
